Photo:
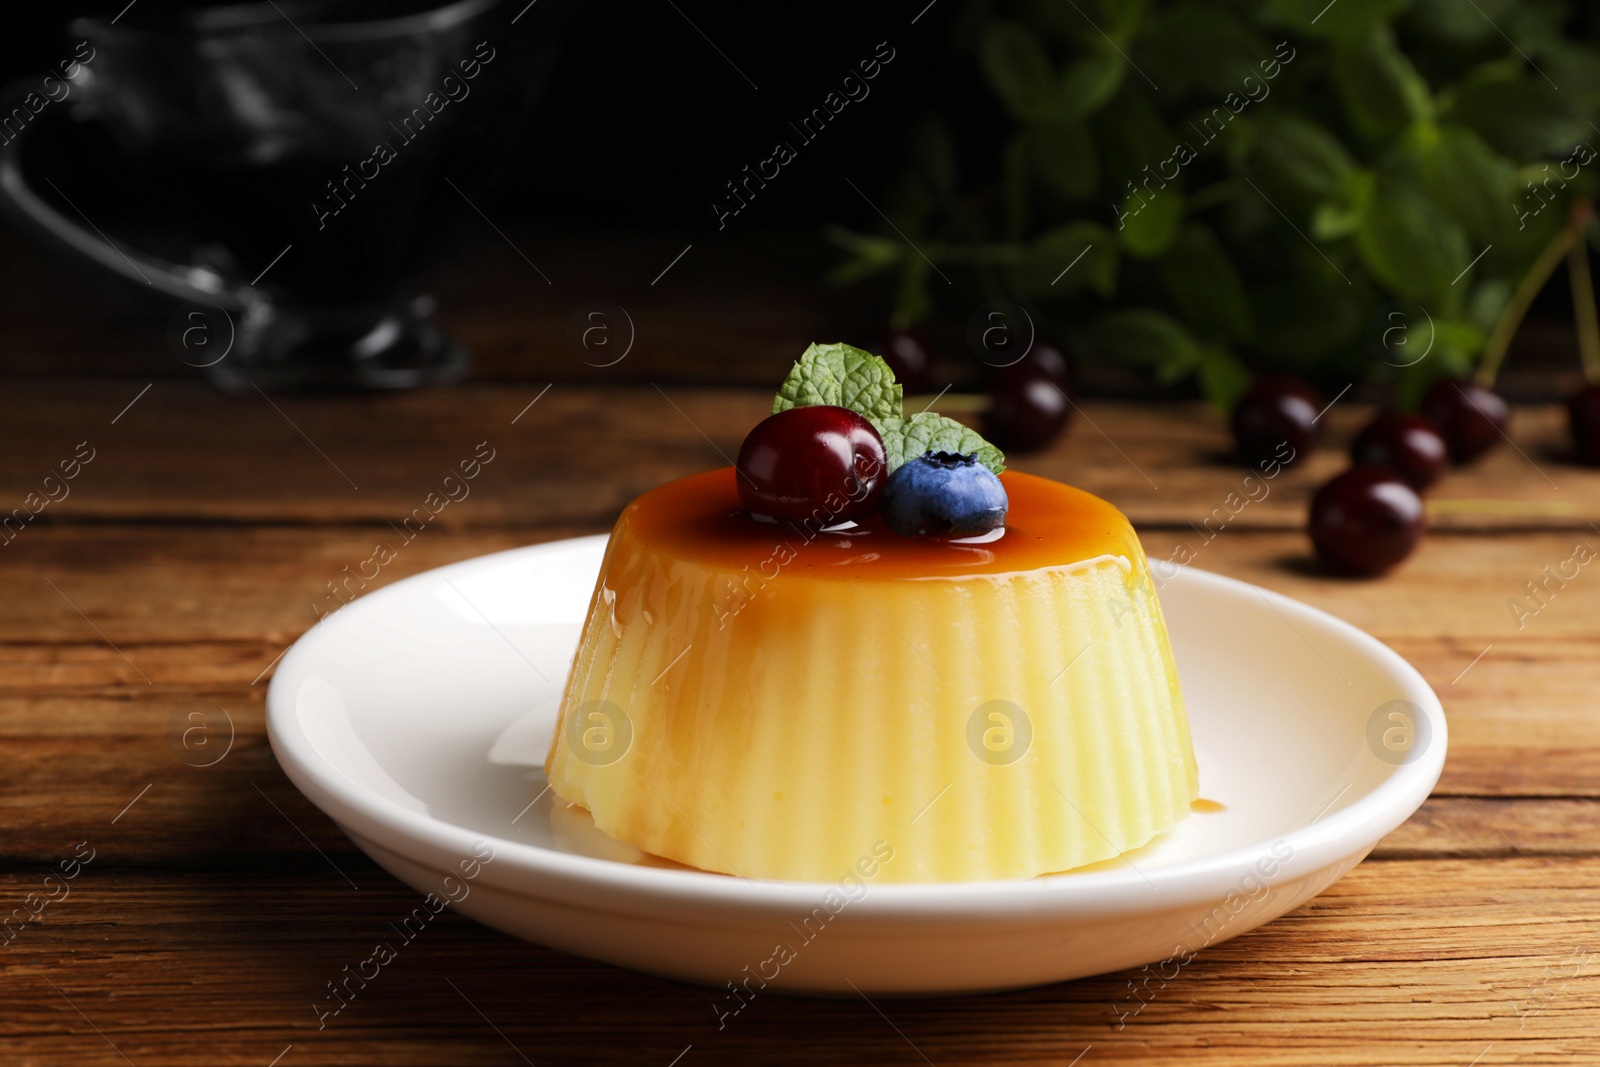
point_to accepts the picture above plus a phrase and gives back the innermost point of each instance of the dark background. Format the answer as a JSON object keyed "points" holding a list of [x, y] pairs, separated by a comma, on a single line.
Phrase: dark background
{"points": [[644, 120], [641, 124]]}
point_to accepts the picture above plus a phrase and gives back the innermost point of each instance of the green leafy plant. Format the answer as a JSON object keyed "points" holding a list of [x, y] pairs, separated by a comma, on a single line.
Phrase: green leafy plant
{"points": [[1198, 188], [854, 378]]}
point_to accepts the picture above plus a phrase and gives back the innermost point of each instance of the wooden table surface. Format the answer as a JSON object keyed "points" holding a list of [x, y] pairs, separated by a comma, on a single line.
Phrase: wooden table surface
{"points": [[196, 542]]}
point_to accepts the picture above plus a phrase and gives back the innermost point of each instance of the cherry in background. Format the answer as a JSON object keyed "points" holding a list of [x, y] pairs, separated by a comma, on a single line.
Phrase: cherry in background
{"points": [[1028, 400], [1366, 520], [907, 355], [818, 463], [1278, 409], [1043, 358], [1583, 413], [1409, 445], [1026, 413], [1471, 418]]}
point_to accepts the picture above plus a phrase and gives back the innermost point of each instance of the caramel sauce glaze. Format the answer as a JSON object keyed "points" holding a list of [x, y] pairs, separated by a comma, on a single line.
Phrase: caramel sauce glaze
{"points": [[1048, 524]]}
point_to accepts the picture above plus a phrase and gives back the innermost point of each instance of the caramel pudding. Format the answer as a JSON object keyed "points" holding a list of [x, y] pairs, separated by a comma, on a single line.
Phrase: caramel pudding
{"points": [[772, 700]]}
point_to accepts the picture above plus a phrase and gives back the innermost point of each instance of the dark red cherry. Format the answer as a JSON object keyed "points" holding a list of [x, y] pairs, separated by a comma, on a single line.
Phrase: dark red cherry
{"points": [[1276, 419], [816, 464], [1366, 520], [1409, 445], [1473, 419], [908, 357], [1583, 413], [1027, 410], [1043, 358]]}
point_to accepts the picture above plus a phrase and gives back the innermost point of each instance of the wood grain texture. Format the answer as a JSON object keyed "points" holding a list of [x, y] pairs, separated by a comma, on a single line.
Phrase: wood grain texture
{"points": [[201, 540], [730, 311], [183, 453], [214, 968]]}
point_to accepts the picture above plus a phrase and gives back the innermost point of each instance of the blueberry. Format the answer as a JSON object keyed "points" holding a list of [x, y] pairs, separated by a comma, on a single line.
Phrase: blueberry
{"points": [[942, 494]]}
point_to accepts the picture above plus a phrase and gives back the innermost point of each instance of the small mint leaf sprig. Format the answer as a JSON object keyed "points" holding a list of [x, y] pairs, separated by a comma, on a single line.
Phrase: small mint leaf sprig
{"points": [[842, 376], [849, 377]]}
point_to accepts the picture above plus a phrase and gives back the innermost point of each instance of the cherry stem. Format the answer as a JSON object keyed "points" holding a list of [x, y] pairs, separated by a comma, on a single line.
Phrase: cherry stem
{"points": [[1494, 352], [1583, 307]]}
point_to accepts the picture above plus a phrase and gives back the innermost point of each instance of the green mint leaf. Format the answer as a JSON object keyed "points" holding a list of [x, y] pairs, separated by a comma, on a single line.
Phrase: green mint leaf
{"points": [[1296, 159], [906, 439], [1346, 22], [1148, 226], [1205, 286], [1383, 93], [848, 377], [1412, 246], [1017, 66], [841, 376], [1223, 377]]}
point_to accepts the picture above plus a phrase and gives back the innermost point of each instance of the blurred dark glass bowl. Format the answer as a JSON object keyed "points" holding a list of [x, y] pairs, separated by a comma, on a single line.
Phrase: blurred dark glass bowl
{"points": [[279, 166]]}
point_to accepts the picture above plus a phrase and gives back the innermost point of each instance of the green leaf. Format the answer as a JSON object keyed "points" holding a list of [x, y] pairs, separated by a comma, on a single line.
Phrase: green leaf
{"points": [[1016, 65], [1066, 259], [1537, 25], [1412, 247], [1223, 376], [1489, 302], [1464, 337], [1467, 178], [1450, 352], [1298, 159], [1201, 46], [1334, 220], [1521, 116], [843, 376], [1541, 205], [1466, 23], [1064, 157], [1088, 83], [1573, 65], [1118, 18], [928, 431], [1147, 224], [869, 255], [1205, 287], [1144, 337], [1382, 92], [1131, 133], [1342, 20]]}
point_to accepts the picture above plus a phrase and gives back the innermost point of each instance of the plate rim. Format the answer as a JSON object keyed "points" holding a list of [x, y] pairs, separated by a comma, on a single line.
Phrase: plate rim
{"points": [[1349, 832]]}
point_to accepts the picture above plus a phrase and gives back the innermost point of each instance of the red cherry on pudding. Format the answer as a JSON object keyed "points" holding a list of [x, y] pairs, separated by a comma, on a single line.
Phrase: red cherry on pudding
{"points": [[1473, 419], [1583, 412], [1366, 520], [819, 463], [1276, 419], [1409, 445]]}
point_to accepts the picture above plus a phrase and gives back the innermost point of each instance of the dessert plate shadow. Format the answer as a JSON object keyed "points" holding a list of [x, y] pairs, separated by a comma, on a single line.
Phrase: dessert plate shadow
{"points": [[418, 717]]}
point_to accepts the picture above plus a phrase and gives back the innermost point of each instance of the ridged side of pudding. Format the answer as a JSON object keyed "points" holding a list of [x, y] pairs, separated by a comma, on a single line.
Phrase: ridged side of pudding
{"points": [[792, 697]]}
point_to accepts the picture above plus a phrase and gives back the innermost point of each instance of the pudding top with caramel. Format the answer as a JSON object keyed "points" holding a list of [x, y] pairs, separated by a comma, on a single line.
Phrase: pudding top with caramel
{"points": [[1049, 524]]}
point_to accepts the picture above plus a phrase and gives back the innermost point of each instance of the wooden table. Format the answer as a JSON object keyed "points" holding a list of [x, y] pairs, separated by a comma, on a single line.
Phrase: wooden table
{"points": [[192, 549]]}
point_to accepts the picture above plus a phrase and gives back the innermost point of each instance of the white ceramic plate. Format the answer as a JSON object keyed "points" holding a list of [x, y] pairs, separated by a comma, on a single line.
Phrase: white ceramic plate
{"points": [[418, 718]]}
